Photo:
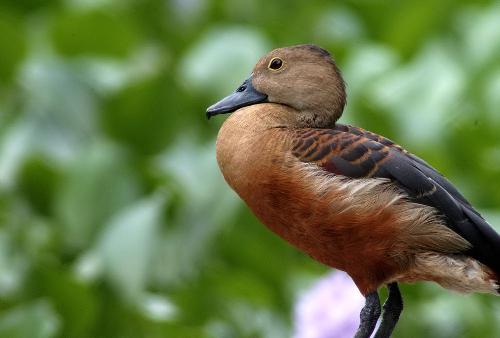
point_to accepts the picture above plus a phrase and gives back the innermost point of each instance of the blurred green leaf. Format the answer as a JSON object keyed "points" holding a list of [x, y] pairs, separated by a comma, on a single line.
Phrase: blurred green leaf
{"points": [[108, 33], [33, 320], [13, 42], [38, 181], [207, 203], [145, 114], [224, 54], [74, 302], [30, 6], [98, 184], [127, 243]]}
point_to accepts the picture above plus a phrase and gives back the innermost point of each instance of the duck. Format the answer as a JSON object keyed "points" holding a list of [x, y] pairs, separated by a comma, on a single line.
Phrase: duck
{"points": [[349, 198]]}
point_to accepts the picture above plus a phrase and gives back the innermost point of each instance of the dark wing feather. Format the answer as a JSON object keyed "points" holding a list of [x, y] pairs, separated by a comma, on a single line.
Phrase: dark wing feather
{"points": [[423, 166], [356, 153]]}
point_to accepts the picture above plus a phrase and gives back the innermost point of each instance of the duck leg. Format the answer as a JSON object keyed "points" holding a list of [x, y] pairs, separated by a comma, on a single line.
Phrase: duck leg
{"points": [[392, 309], [369, 315]]}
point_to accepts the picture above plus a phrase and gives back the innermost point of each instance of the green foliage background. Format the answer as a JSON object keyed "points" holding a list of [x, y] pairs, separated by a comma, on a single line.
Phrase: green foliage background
{"points": [[114, 219]]}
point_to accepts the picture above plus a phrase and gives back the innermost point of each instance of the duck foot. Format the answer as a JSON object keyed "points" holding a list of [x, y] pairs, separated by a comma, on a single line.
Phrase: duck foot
{"points": [[392, 309], [371, 313]]}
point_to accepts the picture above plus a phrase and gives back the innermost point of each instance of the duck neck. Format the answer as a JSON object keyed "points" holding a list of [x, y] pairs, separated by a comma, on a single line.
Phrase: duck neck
{"points": [[246, 130], [316, 119]]}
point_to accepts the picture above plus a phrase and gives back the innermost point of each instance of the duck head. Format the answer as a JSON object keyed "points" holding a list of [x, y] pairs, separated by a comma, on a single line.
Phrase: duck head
{"points": [[303, 77]]}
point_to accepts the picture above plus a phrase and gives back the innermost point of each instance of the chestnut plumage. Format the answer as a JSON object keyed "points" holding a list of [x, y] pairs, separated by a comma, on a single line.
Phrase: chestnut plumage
{"points": [[349, 198]]}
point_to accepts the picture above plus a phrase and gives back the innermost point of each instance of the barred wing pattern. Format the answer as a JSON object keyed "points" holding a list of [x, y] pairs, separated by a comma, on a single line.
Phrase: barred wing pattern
{"points": [[356, 153]]}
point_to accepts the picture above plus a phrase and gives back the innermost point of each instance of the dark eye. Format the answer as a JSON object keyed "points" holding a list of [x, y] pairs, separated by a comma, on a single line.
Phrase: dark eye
{"points": [[276, 64]]}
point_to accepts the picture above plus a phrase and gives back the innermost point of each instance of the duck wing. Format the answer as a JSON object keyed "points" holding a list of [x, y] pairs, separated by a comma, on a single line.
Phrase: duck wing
{"points": [[356, 153]]}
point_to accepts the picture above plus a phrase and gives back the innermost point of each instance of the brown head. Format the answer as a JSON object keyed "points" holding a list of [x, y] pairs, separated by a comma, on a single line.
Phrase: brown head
{"points": [[303, 77]]}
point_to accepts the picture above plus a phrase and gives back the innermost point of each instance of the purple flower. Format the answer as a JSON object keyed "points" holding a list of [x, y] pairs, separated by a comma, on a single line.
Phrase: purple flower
{"points": [[329, 309]]}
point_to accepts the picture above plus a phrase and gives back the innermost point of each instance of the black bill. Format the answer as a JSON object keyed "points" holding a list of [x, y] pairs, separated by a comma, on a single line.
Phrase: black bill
{"points": [[245, 95]]}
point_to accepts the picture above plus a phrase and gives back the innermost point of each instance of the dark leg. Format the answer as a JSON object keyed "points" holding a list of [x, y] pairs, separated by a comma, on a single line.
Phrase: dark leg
{"points": [[369, 316], [392, 309]]}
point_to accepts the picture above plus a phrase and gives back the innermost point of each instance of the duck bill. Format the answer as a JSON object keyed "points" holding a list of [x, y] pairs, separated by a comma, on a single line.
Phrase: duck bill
{"points": [[245, 95]]}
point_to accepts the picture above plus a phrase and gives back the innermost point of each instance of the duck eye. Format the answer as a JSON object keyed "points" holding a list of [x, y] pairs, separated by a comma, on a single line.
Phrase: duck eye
{"points": [[275, 64]]}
